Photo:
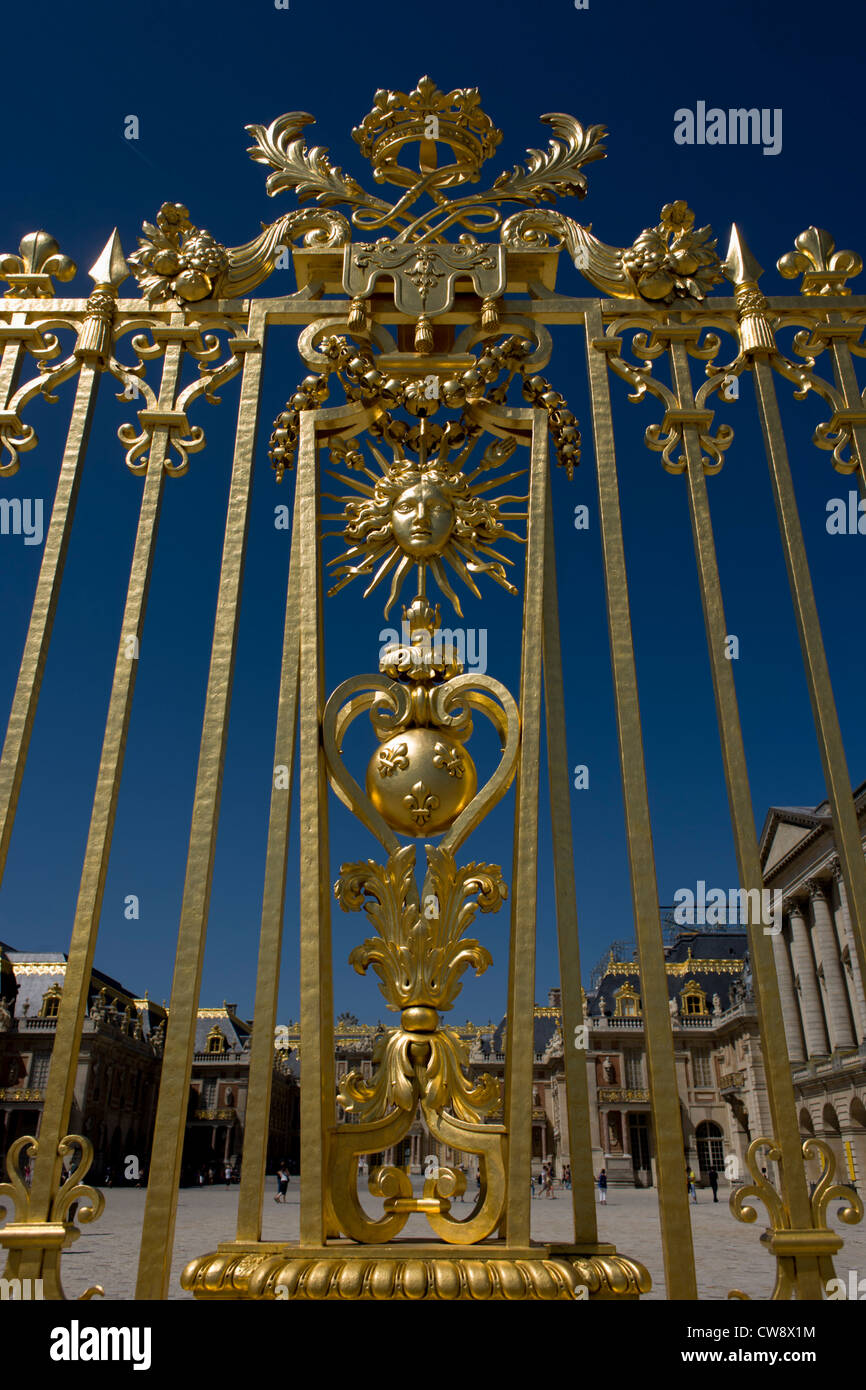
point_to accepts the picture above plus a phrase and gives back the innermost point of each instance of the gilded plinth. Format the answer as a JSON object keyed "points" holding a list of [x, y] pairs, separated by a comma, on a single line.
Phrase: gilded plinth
{"points": [[408, 1270]]}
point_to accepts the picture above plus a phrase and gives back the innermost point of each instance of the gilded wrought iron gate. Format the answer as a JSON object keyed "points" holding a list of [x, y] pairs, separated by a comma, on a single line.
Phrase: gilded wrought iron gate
{"points": [[425, 347]]}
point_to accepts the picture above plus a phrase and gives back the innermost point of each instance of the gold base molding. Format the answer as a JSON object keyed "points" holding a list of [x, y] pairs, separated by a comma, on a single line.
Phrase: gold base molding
{"points": [[341, 1271]]}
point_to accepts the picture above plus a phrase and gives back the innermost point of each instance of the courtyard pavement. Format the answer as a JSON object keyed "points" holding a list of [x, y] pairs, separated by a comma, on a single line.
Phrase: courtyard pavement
{"points": [[729, 1254]]}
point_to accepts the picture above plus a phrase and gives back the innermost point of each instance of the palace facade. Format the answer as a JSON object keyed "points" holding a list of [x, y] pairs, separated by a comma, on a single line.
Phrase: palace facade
{"points": [[821, 984], [720, 1074], [119, 1065]]}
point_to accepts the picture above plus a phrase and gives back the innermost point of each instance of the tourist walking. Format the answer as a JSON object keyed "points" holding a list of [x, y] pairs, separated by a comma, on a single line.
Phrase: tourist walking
{"points": [[690, 1179], [602, 1187], [282, 1184], [228, 1175], [714, 1184]]}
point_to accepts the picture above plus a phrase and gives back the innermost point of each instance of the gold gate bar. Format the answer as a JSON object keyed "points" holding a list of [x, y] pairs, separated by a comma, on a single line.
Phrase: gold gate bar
{"points": [[846, 379], [826, 718], [73, 1004], [520, 1039], [13, 357], [318, 1095], [32, 668], [255, 1151], [780, 1089], [674, 1216], [157, 1237], [574, 1058]]}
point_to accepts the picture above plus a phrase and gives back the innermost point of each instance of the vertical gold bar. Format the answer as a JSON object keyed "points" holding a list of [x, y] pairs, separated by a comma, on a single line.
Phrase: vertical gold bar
{"points": [[11, 360], [258, 1109], [61, 1077], [574, 1058], [318, 1100], [674, 1218], [780, 1091], [520, 1055], [160, 1209], [830, 743], [846, 380], [41, 626]]}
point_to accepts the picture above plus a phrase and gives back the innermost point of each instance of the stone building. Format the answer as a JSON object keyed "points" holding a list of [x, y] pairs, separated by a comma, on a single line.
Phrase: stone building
{"points": [[119, 1062], [714, 1021], [723, 1102], [819, 979], [119, 1065], [715, 1027], [218, 1098]]}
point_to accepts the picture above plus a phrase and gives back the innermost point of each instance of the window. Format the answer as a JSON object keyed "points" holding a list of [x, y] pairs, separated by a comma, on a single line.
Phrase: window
{"points": [[216, 1040], [208, 1095], [39, 1070], [51, 1002], [694, 1000], [711, 1152], [634, 1070], [702, 1067], [627, 1002]]}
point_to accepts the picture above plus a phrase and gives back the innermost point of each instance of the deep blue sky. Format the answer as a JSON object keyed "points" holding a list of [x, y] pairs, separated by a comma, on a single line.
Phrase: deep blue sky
{"points": [[195, 75]]}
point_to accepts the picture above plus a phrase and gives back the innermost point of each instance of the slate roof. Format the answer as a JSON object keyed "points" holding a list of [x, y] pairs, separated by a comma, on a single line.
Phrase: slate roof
{"points": [[692, 949], [236, 1031], [545, 1026]]}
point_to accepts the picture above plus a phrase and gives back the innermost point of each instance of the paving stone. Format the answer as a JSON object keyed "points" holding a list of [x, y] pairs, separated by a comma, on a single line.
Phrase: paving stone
{"points": [[729, 1254]]}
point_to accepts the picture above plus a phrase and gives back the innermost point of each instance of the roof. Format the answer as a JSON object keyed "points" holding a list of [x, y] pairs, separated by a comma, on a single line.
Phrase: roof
{"points": [[235, 1030], [788, 828], [714, 960]]}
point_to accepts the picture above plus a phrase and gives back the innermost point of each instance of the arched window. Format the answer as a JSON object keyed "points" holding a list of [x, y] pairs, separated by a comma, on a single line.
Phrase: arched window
{"points": [[694, 1000], [216, 1039], [711, 1149]]}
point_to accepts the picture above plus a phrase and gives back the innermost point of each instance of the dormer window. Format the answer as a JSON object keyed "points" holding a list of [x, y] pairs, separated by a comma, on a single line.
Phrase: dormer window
{"points": [[627, 1002], [216, 1040], [694, 1000], [51, 1002]]}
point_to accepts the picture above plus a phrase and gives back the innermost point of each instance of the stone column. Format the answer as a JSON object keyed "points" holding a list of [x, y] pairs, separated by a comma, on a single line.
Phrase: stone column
{"points": [[788, 997], [814, 1031], [846, 936], [836, 996]]}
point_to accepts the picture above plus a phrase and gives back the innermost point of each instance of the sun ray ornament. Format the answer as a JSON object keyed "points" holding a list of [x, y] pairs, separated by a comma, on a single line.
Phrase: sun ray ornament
{"points": [[427, 513]]}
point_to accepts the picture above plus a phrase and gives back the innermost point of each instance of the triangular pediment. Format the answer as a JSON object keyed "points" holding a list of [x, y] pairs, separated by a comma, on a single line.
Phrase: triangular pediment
{"points": [[784, 829]]}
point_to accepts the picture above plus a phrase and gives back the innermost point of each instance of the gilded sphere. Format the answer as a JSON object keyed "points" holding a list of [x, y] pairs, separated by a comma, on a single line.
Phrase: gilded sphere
{"points": [[420, 780]]}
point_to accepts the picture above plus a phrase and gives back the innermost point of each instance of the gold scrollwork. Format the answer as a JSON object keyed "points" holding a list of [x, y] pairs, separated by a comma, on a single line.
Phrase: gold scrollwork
{"points": [[25, 1232], [419, 953], [816, 1243]]}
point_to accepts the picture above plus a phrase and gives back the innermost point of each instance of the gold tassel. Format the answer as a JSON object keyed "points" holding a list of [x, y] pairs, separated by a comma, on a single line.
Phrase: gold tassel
{"points": [[357, 316], [489, 315], [424, 335]]}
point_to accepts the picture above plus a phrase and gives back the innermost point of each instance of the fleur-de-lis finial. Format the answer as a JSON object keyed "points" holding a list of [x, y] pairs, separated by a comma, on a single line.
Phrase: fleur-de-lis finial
{"points": [[823, 268], [29, 275]]}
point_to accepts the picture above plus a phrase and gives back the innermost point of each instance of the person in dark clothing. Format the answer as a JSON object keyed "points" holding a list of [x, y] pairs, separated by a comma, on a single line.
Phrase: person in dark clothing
{"points": [[714, 1184]]}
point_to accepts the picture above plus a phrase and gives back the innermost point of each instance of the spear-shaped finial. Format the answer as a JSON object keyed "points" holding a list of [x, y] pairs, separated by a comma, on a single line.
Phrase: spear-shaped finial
{"points": [[740, 265], [110, 267], [108, 273], [741, 268]]}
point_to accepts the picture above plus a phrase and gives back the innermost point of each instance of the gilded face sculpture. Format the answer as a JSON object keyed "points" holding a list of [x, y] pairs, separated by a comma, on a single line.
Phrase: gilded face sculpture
{"points": [[422, 518], [426, 514]]}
